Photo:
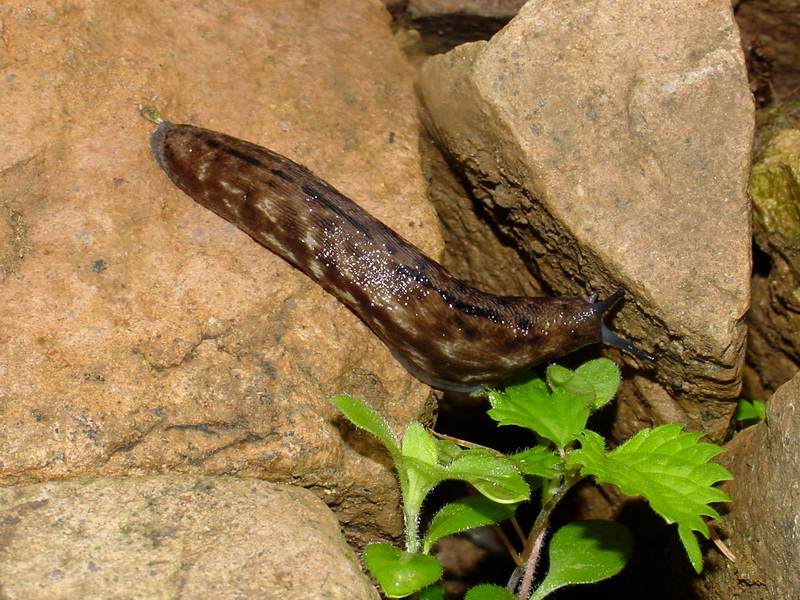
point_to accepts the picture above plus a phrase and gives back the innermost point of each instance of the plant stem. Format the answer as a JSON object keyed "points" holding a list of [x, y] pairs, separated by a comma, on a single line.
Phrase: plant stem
{"points": [[530, 566], [518, 531], [411, 509], [530, 554], [412, 532], [507, 543], [533, 546]]}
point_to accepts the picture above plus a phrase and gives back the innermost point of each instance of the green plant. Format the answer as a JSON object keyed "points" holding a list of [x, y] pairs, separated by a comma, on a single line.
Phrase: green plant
{"points": [[667, 466], [750, 412]]}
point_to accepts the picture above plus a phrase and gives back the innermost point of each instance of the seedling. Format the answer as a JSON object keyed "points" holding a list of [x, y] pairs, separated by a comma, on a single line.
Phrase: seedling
{"points": [[665, 465]]}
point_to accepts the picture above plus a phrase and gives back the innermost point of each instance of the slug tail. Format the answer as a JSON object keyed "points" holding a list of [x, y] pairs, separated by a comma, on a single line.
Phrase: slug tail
{"points": [[158, 142]]}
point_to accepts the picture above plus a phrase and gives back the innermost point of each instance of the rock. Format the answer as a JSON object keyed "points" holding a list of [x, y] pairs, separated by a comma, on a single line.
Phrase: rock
{"points": [[774, 25], [611, 145], [774, 343], [173, 536], [761, 527], [776, 198], [475, 248], [141, 333], [444, 24], [487, 9]]}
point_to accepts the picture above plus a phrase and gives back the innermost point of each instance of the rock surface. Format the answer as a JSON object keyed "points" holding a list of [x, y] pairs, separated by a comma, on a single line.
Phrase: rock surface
{"points": [[774, 343], [498, 9], [173, 536], [141, 333], [761, 528], [444, 24], [611, 143], [775, 26]]}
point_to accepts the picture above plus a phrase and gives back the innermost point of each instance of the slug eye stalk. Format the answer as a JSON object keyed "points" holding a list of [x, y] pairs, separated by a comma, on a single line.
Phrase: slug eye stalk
{"points": [[609, 337]]}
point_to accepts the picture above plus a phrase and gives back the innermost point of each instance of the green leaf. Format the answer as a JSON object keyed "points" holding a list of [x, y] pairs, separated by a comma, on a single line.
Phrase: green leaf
{"points": [[448, 451], [433, 592], [585, 552], [401, 573], [495, 477], [666, 466], [604, 375], [539, 461], [363, 416], [572, 382], [420, 444], [558, 376], [489, 592], [559, 416], [463, 514], [596, 382], [421, 478], [420, 466], [750, 412], [689, 541]]}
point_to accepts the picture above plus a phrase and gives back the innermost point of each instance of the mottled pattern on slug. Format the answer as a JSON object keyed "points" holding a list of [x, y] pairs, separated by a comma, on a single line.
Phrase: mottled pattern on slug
{"points": [[445, 332]]}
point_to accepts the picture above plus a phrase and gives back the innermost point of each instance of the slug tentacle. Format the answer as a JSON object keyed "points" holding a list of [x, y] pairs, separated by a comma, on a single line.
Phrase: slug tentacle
{"points": [[444, 331], [608, 336]]}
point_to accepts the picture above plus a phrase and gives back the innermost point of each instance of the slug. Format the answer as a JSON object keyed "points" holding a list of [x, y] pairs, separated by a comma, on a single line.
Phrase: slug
{"points": [[445, 332]]}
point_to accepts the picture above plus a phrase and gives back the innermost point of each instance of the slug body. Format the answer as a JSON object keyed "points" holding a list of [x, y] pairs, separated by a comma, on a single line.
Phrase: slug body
{"points": [[444, 331]]}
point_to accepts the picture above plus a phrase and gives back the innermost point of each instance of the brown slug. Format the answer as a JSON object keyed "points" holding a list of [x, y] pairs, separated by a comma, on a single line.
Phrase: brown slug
{"points": [[444, 331]]}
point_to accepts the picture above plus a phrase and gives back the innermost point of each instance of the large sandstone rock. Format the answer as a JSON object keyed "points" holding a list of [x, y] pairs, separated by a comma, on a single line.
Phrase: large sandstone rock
{"points": [[141, 333], [173, 536], [610, 144]]}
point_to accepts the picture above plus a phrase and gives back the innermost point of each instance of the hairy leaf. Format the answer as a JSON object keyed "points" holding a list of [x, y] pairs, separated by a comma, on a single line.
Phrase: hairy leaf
{"points": [[495, 477], [666, 466], [363, 416], [604, 375], [585, 552], [401, 573], [487, 591], [558, 416], [539, 461], [463, 514]]}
